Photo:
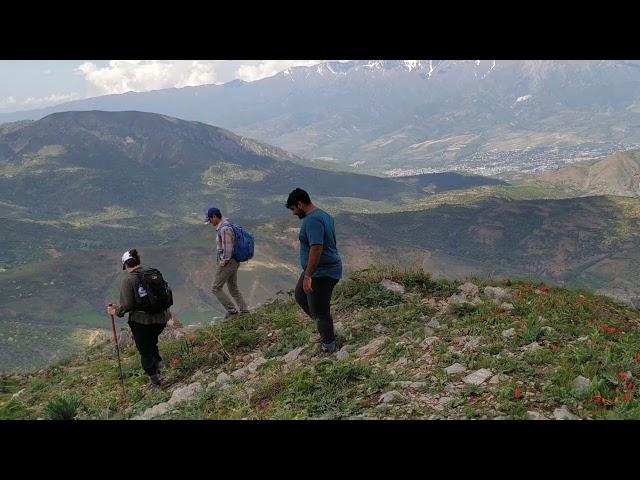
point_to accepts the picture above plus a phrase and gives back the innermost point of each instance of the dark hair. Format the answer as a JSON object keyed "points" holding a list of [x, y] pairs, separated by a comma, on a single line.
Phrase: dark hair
{"points": [[298, 195], [135, 261], [218, 214]]}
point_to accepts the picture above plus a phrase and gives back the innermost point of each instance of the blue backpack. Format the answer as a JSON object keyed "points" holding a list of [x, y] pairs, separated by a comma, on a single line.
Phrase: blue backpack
{"points": [[242, 245]]}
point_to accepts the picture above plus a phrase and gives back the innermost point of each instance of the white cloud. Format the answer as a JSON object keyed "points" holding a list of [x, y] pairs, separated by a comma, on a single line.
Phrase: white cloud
{"points": [[38, 102], [267, 68], [7, 102], [122, 76], [13, 104]]}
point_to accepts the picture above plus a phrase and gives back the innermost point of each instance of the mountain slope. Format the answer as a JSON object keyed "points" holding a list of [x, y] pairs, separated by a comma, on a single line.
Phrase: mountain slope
{"points": [[615, 175], [438, 350]]}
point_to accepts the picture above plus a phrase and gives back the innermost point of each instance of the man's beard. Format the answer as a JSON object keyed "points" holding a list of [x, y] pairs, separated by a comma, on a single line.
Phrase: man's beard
{"points": [[301, 215]]}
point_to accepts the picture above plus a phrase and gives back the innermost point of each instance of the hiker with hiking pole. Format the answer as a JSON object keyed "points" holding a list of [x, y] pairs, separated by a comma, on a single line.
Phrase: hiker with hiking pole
{"points": [[233, 246], [147, 298]]}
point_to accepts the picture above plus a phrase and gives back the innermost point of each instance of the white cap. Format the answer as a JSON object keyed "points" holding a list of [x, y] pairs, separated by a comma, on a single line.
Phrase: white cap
{"points": [[125, 256]]}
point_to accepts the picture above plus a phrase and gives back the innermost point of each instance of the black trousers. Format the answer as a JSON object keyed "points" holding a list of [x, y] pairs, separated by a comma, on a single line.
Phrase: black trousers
{"points": [[317, 304], [146, 338]]}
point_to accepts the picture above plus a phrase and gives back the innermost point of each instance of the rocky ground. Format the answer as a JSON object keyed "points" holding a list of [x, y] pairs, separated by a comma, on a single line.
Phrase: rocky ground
{"points": [[410, 348]]}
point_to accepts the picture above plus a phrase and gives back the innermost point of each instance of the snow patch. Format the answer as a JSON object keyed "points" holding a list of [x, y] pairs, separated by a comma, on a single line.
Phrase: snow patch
{"points": [[523, 98], [411, 64]]}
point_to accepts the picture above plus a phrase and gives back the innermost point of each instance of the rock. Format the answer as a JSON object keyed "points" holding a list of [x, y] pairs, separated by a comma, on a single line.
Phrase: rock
{"points": [[389, 397], [581, 384], [408, 384], [155, 411], [471, 344], [338, 327], [469, 290], [222, 378], [373, 347], [500, 377], [343, 354], [536, 415], [184, 394], [401, 362], [125, 338], [17, 394], [97, 337], [582, 339], [477, 301], [293, 355], [435, 324], [444, 400], [392, 286], [547, 329], [478, 377], [507, 307], [427, 342], [532, 347], [456, 299], [428, 331], [497, 294], [453, 388], [502, 417], [455, 369], [510, 332], [253, 366], [563, 413]]}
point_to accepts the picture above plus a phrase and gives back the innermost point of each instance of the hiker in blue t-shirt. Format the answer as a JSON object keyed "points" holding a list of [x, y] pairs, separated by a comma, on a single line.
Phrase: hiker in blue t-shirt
{"points": [[320, 262]]}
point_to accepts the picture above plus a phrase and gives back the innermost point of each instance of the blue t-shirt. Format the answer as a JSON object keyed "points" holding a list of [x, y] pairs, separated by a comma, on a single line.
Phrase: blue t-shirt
{"points": [[318, 229]]}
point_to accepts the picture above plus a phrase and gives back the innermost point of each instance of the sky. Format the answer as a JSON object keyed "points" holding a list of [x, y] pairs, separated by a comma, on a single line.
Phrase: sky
{"points": [[30, 84]]}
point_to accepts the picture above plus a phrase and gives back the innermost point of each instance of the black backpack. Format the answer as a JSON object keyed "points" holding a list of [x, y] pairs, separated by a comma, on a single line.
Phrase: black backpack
{"points": [[153, 294]]}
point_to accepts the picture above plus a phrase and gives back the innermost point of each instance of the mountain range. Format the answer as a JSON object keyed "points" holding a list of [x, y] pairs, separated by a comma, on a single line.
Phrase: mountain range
{"points": [[484, 116]]}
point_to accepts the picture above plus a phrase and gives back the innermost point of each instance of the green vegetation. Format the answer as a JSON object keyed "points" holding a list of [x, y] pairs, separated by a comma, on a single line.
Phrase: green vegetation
{"points": [[404, 345]]}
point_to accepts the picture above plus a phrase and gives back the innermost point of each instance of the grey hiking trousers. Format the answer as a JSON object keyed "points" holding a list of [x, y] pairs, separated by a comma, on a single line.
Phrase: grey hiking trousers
{"points": [[228, 274]]}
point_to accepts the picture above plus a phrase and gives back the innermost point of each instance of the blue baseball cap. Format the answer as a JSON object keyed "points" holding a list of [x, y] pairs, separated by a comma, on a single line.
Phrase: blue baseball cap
{"points": [[212, 212]]}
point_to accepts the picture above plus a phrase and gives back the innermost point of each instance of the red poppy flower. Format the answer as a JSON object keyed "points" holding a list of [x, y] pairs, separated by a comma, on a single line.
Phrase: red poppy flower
{"points": [[543, 290], [638, 356], [623, 376], [191, 338], [598, 400], [517, 394], [174, 361], [554, 348], [581, 300], [628, 397], [629, 387]]}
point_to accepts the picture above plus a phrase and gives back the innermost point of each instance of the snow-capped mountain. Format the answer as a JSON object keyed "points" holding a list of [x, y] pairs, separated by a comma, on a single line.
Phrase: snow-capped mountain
{"points": [[384, 115]]}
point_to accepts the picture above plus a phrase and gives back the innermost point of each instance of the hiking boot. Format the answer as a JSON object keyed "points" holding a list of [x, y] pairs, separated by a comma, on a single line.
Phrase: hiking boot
{"points": [[244, 312], [230, 314], [154, 380], [329, 347]]}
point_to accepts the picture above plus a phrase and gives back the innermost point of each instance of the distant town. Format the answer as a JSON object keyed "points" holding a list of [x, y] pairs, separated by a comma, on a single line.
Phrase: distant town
{"points": [[528, 160]]}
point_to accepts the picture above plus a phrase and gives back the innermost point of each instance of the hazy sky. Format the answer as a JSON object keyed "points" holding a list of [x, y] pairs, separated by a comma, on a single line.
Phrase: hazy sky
{"points": [[27, 84]]}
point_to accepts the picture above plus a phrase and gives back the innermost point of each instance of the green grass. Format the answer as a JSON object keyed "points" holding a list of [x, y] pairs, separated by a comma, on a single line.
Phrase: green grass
{"points": [[578, 333]]}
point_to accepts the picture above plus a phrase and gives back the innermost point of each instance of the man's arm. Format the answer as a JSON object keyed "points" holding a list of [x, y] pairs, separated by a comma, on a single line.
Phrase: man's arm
{"points": [[127, 299], [228, 238], [314, 259]]}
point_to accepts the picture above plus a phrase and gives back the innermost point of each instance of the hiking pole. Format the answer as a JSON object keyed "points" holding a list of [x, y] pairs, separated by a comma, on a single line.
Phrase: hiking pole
{"points": [[115, 339]]}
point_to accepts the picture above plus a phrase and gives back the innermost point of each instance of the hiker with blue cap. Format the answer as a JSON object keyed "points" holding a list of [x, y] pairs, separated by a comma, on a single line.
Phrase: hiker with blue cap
{"points": [[233, 246]]}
